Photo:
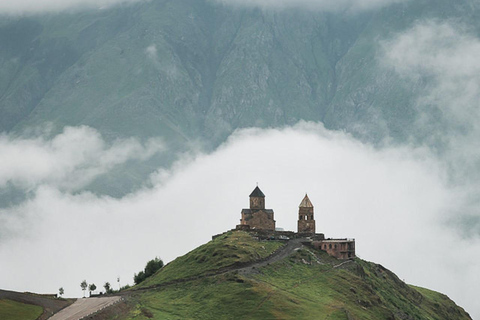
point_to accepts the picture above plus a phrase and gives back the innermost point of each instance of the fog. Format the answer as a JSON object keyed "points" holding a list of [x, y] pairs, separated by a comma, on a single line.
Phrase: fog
{"points": [[394, 201], [442, 57], [32, 7], [322, 5], [70, 160]]}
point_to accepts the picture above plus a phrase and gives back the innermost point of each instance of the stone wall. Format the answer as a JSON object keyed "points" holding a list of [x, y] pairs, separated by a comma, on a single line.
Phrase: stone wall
{"points": [[262, 220]]}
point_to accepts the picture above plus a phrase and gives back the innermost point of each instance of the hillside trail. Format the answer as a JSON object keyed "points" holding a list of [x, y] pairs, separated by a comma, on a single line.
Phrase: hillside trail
{"points": [[291, 246], [84, 307], [87, 306], [244, 268]]}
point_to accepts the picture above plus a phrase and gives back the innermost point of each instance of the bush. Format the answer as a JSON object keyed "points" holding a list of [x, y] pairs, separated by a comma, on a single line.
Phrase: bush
{"points": [[152, 266]]}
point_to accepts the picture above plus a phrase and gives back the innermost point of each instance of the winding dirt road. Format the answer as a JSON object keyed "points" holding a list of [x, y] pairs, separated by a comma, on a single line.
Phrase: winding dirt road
{"points": [[84, 307]]}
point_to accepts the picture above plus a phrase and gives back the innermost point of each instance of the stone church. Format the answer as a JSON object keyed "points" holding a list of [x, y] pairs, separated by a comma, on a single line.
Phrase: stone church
{"points": [[257, 217], [261, 219]]}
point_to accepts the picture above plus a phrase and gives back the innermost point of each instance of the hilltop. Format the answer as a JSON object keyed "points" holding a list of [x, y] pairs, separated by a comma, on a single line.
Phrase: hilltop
{"points": [[238, 276]]}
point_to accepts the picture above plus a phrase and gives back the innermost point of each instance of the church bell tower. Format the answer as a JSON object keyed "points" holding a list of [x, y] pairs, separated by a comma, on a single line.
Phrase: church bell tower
{"points": [[306, 221]]}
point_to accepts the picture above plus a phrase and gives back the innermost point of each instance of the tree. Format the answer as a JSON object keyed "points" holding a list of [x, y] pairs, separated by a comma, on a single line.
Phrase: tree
{"points": [[140, 277], [92, 287], [108, 287], [152, 266], [61, 291], [84, 286]]}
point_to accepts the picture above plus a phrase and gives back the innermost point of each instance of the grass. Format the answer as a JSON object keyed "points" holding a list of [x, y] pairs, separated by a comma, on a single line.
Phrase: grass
{"points": [[224, 251], [13, 310], [307, 285]]}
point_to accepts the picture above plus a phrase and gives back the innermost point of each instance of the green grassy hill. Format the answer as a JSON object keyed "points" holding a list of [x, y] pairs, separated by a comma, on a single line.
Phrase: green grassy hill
{"points": [[308, 284], [29, 306], [13, 310]]}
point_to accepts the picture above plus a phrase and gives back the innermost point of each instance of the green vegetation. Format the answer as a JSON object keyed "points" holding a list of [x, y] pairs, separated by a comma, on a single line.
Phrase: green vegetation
{"points": [[224, 251], [13, 310], [92, 287], [309, 284], [152, 266], [84, 286]]}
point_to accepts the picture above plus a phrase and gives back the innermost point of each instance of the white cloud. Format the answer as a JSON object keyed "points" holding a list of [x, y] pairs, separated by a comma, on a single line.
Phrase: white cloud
{"points": [[70, 160], [394, 201], [442, 58], [27, 7], [447, 55], [151, 52], [325, 5]]}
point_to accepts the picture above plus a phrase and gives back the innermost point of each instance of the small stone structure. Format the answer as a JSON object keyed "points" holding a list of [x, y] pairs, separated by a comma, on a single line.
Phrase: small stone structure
{"points": [[338, 248], [260, 221], [257, 217], [306, 222]]}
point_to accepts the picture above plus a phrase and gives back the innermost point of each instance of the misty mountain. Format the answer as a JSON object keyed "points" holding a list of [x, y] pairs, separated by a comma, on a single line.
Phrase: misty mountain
{"points": [[193, 71], [188, 69]]}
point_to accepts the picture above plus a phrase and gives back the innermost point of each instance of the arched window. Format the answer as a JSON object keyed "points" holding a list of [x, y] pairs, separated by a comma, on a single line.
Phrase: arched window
{"points": [[301, 217], [330, 246]]}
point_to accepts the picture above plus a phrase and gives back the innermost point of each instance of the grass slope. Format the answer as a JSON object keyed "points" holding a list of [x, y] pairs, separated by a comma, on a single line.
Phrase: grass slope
{"points": [[13, 310], [226, 250], [309, 284]]}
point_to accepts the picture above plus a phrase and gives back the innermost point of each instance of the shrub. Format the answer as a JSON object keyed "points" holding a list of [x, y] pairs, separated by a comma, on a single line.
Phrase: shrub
{"points": [[152, 266]]}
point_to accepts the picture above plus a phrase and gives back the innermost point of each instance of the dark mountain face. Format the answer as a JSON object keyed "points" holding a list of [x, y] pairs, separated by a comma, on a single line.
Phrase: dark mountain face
{"points": [[188, 69], [194, 71]]}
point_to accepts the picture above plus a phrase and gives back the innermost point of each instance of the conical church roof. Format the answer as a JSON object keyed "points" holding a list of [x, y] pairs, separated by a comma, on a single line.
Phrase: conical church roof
{"points": [[257, 193], [306, 203]]}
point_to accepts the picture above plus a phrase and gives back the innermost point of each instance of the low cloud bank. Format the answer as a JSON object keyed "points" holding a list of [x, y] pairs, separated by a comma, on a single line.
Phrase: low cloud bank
{"points": [[69, 160], [322, 5], [31, 7], [442, 57], [394, 201]]}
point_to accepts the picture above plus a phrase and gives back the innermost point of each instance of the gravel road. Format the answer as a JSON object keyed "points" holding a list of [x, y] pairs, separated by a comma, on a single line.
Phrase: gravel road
{"points": [[84, 307]]}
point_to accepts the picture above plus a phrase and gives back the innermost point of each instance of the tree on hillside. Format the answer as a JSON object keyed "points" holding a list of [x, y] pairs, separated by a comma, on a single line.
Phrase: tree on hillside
{"points": [[152, 266], [108, 287], [61, 292], [84, 286], [92, 287]]}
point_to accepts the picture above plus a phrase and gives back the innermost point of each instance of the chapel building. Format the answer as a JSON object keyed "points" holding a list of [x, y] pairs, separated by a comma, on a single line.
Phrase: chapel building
{"points": [[257, 217]]}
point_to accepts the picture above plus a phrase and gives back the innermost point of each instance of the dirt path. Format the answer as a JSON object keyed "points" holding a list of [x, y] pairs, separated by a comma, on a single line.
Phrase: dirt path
{"points": [[85, 307], [244, 268], [292, 246]]}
